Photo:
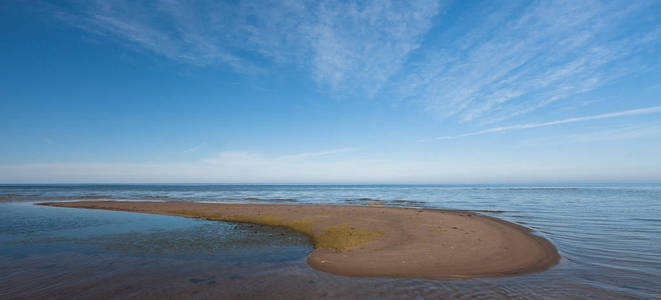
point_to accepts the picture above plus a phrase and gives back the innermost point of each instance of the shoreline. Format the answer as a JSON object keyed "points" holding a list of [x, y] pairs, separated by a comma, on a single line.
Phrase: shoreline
{"points": [[374, 241]]}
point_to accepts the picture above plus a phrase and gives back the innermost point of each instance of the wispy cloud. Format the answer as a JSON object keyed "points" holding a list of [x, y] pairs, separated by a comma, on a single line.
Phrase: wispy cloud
{"points": [[352, 46], [629, 132], [520, 58], [234, 156], [367, 43], [242, 167], [167, 28], [194, 148], [318, 154], [484, 63], [633, 112]]}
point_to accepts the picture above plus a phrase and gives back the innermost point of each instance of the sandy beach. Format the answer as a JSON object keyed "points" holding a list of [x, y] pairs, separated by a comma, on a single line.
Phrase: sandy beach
{"points": [[381, 241]]}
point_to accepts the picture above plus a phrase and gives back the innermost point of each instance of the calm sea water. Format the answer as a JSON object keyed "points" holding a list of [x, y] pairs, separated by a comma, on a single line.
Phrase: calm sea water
{"points": [[609, 237]]}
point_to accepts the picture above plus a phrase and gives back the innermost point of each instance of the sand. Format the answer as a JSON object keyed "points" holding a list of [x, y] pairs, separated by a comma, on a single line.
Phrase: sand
{"points": [[370, 241]]}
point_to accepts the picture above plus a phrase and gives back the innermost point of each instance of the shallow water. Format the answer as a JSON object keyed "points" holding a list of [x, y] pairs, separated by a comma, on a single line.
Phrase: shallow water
{"points": [[608, 235]]}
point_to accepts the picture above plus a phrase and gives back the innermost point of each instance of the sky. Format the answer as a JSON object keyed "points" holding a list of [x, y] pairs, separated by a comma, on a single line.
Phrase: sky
{"points": [[330, 91]]}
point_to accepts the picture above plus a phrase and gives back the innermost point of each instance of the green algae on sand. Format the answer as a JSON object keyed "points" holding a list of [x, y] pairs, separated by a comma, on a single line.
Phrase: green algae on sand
{"points": [[337, 238], [342, 237]]}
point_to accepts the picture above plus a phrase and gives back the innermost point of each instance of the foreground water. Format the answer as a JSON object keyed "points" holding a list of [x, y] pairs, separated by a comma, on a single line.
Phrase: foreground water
{"points": [[608, 235]]}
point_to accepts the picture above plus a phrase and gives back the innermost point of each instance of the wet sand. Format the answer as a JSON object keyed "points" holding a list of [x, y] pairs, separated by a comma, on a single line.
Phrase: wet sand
{"points": [[381, 241]]}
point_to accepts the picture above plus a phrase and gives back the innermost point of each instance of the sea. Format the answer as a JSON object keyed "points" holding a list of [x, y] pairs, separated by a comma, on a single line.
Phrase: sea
{"points": [[609, 237]]}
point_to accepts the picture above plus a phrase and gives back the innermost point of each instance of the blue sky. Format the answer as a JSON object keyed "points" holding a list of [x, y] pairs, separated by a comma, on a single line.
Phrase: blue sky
{"points": [[330, 92]]}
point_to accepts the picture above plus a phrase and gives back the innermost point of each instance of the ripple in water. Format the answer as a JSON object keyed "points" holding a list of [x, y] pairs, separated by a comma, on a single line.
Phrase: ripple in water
{"points": [[608, 235]]}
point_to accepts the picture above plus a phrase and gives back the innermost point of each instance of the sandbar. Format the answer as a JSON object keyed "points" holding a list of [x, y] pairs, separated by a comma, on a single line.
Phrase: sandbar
{"points": [[372, 241]]}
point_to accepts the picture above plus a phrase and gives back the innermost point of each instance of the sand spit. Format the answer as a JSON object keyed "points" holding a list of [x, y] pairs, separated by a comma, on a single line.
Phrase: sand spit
{"points": [[381, 241]]}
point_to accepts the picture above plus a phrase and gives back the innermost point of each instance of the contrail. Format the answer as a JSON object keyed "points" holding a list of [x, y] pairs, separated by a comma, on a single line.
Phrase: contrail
{"points": [[640, 111]]}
